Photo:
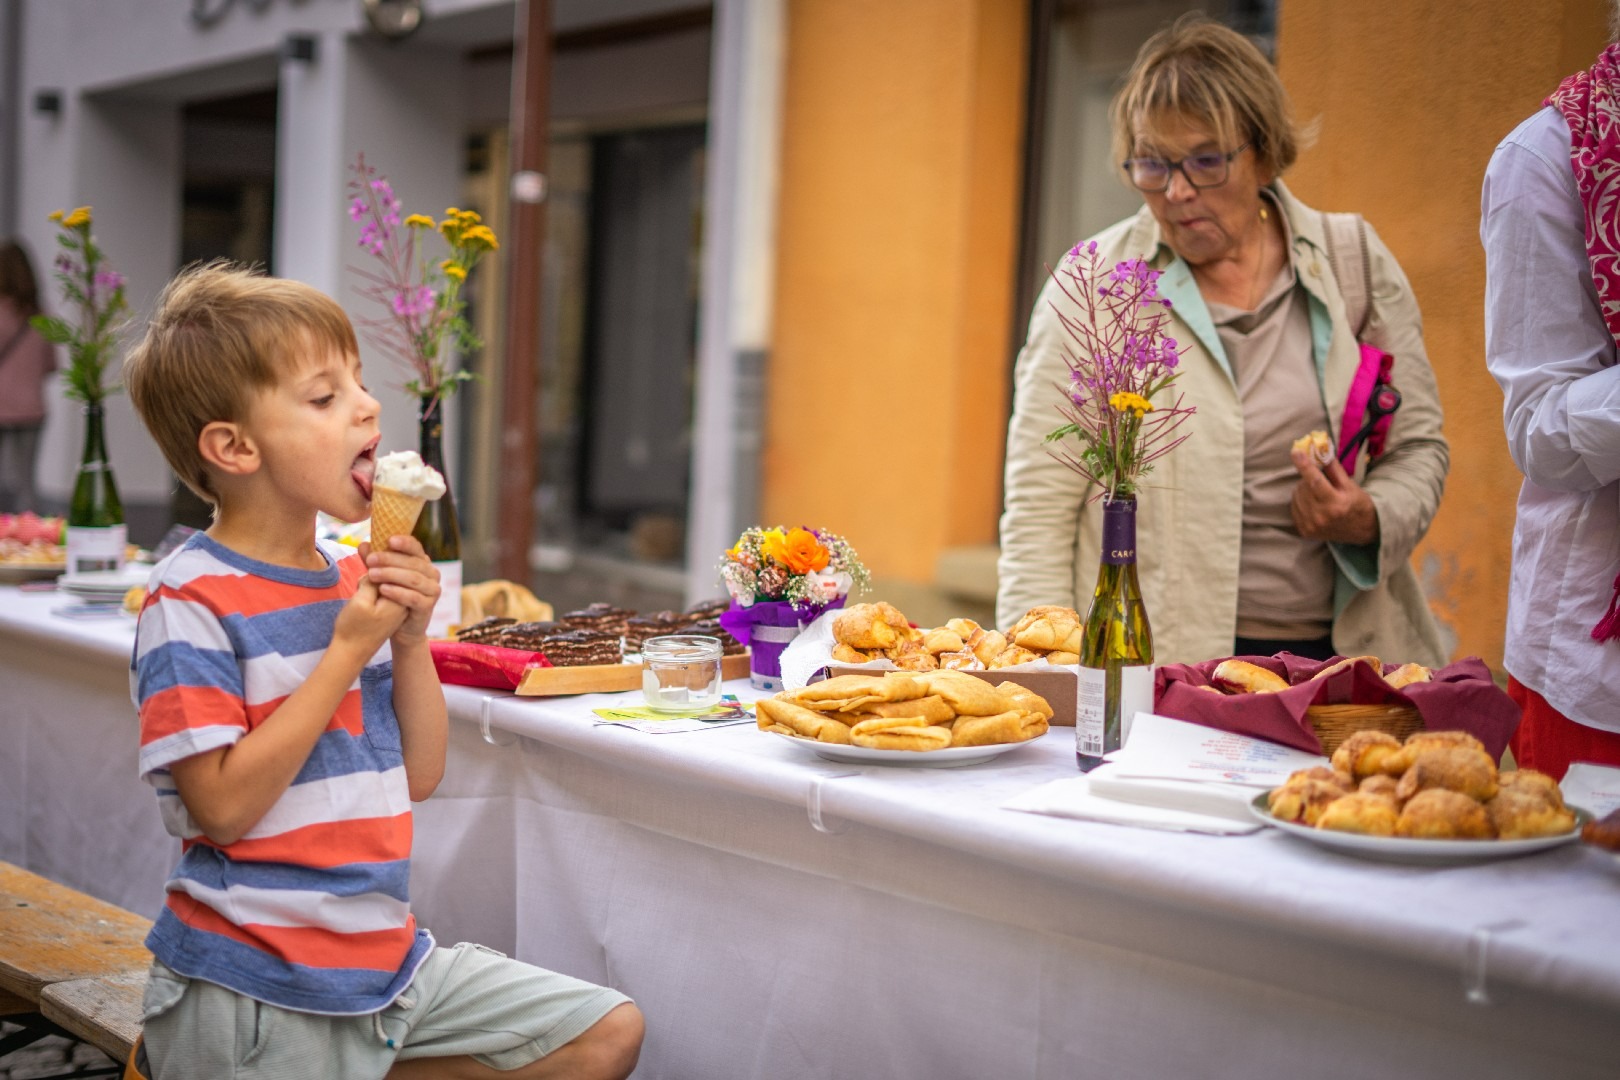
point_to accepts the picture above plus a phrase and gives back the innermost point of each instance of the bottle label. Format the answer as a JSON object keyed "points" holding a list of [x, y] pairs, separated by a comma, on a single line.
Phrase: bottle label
{"points": [[96, 549], [447, 612], [1091, 717], [1135, 695], [1119, 532]]}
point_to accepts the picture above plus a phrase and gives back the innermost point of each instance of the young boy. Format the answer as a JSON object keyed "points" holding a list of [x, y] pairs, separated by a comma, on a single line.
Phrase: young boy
{"points": [[289, 714]]}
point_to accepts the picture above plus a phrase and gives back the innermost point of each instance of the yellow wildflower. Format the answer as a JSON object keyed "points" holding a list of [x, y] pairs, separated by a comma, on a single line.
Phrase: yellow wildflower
{"points": [[453, 270], [1125, 401], [79, 217], [58, 215], [419, 221], [481, 234], [469, 217]]}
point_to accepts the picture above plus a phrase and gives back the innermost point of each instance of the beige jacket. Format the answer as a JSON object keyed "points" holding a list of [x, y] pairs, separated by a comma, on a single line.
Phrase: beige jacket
{"points": [[1189, 517]]}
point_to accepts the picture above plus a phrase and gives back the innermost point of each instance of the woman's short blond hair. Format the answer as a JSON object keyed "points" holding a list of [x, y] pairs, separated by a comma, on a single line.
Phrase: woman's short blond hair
{"points": [[1214, 75], [222, 333]]}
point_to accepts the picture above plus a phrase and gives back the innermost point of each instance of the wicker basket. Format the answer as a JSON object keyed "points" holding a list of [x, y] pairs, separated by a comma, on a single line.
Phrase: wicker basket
{"points": [[1335, 723]]}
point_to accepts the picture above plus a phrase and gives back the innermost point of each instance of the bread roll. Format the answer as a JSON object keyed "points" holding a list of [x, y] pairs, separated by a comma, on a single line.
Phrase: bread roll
{"points": [[1242, 677]]}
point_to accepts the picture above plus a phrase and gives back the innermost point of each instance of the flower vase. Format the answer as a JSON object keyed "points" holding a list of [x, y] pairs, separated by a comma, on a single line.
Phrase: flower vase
{"points": [[96, 533], [767, 627], [437, 527]]}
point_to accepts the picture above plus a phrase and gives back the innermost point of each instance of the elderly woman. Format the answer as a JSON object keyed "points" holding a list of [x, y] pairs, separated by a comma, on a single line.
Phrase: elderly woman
{"points": [[25, 361], [1246, 546]]}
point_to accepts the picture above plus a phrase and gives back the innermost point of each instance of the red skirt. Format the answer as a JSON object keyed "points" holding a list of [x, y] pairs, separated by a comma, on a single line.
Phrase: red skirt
{"points": [[1549, 742]]}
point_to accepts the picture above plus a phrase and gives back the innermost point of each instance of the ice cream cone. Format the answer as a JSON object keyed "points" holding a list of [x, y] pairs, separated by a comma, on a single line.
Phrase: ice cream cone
{"points": [[393, 513]]}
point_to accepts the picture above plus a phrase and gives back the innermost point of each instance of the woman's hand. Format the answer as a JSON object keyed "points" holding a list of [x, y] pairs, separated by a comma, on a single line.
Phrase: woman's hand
{"points": [[404, 574], [1329, 505]]}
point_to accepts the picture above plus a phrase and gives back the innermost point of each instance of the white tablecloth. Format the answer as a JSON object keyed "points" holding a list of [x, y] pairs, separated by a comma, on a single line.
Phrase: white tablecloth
{"points": [[920, 931]]}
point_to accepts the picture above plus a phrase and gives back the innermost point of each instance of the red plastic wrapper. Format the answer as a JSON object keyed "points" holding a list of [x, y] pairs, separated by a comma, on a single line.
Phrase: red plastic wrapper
{"points": [[461, 663], [1459, 697]]}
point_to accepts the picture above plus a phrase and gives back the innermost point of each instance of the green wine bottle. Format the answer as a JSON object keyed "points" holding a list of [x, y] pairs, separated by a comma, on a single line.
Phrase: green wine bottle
{"points": [[437, 528], [96, 533], [1116, 651]]}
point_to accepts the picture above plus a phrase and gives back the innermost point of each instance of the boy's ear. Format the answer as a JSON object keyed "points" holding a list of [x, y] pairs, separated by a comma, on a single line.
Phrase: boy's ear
{"points": [[226, 447]]}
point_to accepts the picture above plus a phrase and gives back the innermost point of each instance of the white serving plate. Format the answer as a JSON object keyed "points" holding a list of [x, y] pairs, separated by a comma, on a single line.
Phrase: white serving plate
{"points": [[104, 584], [1405, 849], [948, 758], [12, 573]]}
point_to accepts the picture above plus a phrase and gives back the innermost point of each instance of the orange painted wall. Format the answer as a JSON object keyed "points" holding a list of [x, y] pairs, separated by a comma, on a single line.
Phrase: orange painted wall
{"points": [[887, 382], [1412, 99]]}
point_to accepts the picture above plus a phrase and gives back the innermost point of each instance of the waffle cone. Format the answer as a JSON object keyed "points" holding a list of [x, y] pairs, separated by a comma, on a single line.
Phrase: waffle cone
{"points": [[392, 514]]}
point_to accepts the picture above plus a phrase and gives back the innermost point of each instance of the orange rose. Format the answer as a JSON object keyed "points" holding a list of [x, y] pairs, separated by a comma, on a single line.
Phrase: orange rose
{"points": [[799, 550]]}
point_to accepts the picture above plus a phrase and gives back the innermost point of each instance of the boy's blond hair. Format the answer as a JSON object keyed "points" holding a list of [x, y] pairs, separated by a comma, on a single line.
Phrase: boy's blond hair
{"points": [[221, 333]]}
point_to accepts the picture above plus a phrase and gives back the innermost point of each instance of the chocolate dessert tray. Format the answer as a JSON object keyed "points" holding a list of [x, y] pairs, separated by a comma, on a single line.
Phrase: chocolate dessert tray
{"points": [[604, 678]]}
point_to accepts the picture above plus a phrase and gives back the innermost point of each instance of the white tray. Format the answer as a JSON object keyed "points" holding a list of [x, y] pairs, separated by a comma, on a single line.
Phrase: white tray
{"points": [[948, 758]]}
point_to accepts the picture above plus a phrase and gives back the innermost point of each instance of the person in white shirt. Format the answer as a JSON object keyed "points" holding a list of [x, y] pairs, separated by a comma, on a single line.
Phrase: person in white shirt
{"points": [[1552, 318]]}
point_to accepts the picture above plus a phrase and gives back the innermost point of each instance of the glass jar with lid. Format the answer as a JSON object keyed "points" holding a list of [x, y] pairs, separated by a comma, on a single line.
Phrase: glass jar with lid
{"points": [[681, 672]]}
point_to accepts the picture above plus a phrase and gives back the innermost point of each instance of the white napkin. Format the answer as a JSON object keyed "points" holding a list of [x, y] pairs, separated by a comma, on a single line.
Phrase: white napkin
{"points": [[809, 652], [1072, 797], [1592, 787], [1229, 801]]}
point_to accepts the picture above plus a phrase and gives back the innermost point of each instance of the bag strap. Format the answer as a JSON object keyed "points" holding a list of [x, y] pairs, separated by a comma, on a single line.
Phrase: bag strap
{"points": [[1346, 236]]}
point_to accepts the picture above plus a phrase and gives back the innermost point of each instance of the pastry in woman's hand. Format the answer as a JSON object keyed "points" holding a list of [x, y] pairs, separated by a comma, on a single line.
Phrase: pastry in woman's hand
{"points": [[899, 733], [1318, 445], [1440, 814], [1007, 727], [1242, 677], [1604, 832], [774, 714]]}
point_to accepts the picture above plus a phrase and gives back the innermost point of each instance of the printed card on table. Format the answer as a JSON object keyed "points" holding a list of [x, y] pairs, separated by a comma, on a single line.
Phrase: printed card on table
{"points": [[1176, 750]]}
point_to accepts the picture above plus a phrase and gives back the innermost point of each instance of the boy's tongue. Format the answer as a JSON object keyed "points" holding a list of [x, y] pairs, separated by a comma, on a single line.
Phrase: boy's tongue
{"points": [[364, 467]]}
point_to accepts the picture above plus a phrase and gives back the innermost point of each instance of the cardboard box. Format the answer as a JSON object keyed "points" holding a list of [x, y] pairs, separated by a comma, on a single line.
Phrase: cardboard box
{"points": [[1058, 685]]}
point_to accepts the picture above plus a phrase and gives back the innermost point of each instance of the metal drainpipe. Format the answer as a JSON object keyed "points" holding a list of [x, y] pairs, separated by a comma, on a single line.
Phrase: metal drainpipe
{"points": [[10, 111]]}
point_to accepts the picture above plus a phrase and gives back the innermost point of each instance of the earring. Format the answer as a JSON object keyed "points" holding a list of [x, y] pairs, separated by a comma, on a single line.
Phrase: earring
{"points": [[1264, 216]]}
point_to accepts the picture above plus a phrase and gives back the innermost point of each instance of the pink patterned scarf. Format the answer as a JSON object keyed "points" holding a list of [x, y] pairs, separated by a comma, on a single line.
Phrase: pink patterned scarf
{"points": [[1590, 103]]}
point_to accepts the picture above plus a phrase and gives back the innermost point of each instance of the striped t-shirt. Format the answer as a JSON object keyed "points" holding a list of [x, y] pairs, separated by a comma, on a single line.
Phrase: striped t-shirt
{"points": [[309, 910]]}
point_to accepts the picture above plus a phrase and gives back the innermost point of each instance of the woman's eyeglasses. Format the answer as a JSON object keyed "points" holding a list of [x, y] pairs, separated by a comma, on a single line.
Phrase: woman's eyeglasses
{"points": [[1201, 170]]}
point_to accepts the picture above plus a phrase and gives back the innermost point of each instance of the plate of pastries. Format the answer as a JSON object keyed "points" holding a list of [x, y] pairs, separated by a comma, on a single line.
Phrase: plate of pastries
{"points": [[866, 632], [1437, 797], [931, 719]]}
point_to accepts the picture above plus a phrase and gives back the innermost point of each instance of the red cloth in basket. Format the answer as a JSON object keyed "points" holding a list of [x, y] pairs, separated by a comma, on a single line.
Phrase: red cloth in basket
{"points": [[1459, 697], [462, 663]]}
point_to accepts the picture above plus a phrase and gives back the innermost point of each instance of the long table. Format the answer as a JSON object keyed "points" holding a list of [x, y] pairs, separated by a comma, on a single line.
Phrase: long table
{"points": [[776, 915]]}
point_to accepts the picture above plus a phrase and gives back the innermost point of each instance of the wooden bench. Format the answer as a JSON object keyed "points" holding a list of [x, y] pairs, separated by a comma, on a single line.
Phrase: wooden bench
{"points": [[71, 960]]}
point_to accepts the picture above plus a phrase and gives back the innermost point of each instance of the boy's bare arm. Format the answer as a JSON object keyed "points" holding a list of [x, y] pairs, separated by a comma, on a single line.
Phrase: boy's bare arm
{"points": [[228, 790], [405, 575]]}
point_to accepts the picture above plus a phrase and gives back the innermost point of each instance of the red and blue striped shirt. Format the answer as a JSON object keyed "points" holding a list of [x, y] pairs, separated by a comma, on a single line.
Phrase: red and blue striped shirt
{"points": [[310, 910]]}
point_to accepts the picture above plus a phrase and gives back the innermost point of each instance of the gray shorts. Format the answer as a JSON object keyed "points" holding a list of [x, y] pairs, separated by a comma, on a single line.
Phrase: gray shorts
{"points": [[464, 1001]]}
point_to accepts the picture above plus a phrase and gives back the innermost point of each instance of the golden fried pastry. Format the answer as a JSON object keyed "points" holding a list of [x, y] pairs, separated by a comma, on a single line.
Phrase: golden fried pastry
{"points": [[942, 639], [924, 710], [1304, 800], [962, 628], [960, 661], [499, 598], [1604, 832], [1318, 445], [1012, 655], [1531, 780], [1519, 813], [1360, 813], [1242, 677], [849, 654], [1007, 727], [851, 692], [899, 733], [774, 714], [1349, 661], [966, 695], [987, 644], [1023, 699], [1407, 674], [916, 661], [1047, 628], [1439, 814], [1346, 782], [1417, 742], [1384, 787], [1456, 768], [869, 626], [1064, 658], [1366, 753]]}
